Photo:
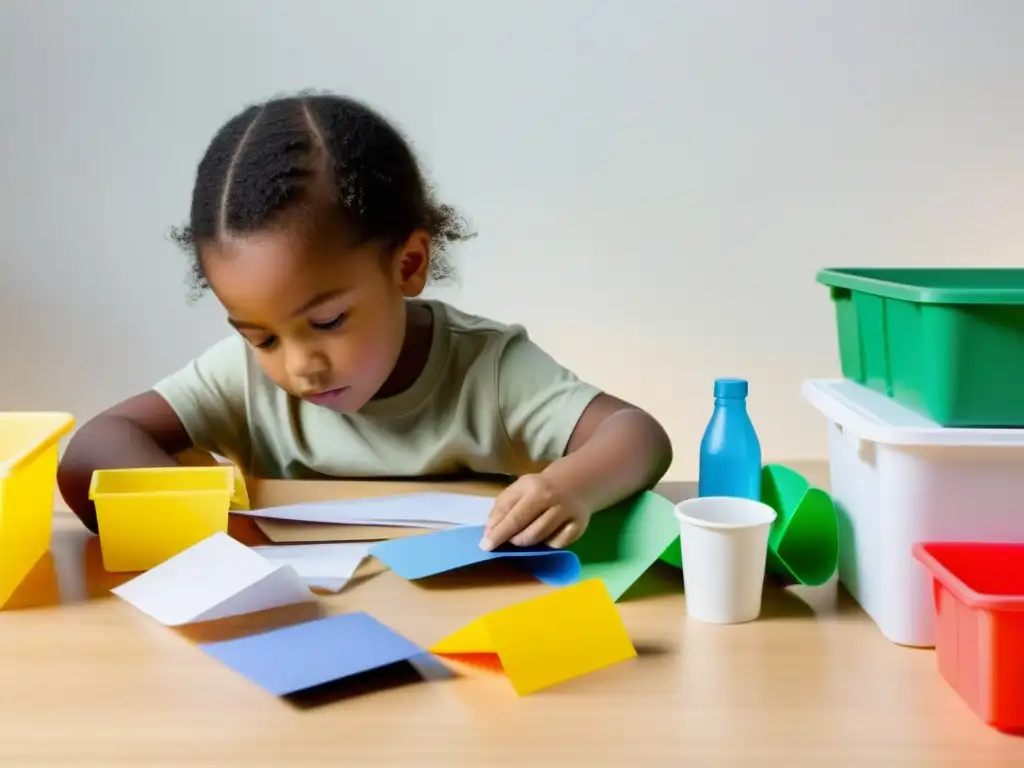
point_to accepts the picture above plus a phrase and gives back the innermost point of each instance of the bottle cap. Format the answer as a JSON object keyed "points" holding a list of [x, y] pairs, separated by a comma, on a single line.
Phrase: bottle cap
{"points": [[733, 388]]}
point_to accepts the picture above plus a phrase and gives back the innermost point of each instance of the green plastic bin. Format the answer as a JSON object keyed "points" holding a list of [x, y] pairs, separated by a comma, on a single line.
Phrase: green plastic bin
{"points": [[946, 343]]}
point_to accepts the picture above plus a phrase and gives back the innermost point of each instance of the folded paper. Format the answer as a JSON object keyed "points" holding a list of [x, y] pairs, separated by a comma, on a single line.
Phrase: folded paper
{"points": [[302, 656], [322, 566], [803, 544], [216, 578], [547, 640], [621, 543], [413, 510], [420, 556]]}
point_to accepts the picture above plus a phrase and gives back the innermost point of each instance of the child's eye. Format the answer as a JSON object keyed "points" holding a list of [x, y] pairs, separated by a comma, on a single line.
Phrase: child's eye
{"points": [[329, 325], [267, 343]]}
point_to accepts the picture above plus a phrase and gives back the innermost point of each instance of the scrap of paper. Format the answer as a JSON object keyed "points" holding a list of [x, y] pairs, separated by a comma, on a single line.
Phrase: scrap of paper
{"points": [[549, 639], [301, 656], [215, 578], [297, 532], [420, 556], [325, 566], [412, 510], [621, 543]]}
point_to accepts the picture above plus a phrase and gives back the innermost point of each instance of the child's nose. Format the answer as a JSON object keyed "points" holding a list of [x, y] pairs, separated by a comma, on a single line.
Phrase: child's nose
{"points": [[306, 364]]}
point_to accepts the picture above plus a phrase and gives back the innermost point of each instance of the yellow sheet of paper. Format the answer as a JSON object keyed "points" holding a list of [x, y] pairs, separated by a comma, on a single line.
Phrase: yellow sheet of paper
{"points": [[549, 639]]}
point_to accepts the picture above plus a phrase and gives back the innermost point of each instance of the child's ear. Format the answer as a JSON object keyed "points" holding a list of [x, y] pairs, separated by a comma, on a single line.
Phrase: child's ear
{"points": [[412, 264]]}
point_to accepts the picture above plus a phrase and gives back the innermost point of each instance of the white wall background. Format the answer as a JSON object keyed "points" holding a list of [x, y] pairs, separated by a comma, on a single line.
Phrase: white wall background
{"points": [[654, 184]]}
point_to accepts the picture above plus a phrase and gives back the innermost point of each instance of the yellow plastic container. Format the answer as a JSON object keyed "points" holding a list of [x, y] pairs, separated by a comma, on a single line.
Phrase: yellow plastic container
{"points": [[28, 478], [146, 516]]}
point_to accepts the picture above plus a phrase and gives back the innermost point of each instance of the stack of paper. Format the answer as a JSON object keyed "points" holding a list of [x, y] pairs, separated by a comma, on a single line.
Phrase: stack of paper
{"points": [[437, 511], [296, 532]]}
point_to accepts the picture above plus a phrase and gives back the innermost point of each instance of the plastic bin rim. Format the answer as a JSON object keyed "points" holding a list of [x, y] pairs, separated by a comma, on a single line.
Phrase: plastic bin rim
{"points": [[177, 468], [877, 285], [957, 586], [866, 426], [65, 425], [94, 493], [96, 496]]}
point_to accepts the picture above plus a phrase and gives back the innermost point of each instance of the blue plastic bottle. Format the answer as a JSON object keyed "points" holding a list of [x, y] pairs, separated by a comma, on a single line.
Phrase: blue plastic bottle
{"points": [[730, 453]]}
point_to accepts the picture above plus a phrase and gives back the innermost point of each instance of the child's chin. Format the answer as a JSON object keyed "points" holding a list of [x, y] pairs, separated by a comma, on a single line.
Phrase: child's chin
{"points": [[347, 403]]}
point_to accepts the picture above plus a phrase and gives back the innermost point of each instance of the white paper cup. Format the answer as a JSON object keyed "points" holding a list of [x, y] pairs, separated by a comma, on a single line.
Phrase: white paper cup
{"points": [[725, 548]]}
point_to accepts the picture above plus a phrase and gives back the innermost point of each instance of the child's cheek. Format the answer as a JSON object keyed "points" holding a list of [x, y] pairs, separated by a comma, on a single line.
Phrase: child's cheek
{"points": [[368, 360], [380, 359]]}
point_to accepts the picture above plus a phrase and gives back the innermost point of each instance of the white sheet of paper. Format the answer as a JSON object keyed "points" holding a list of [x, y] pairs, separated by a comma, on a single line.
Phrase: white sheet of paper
{"points": [[413, 510], [326, 566], [215, 578]]}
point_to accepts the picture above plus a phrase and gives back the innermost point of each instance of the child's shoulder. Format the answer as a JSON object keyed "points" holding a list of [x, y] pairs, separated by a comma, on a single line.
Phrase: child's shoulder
{"points": [[464, 323], [481, 351], [472, 336]]}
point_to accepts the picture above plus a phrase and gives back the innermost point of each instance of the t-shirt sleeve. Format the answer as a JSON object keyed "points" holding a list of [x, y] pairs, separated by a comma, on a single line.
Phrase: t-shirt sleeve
{"points": [[209, 397], [539, 399]]}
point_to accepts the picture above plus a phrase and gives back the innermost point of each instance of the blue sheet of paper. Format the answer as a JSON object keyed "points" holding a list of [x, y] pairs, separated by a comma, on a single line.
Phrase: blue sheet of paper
{"points": [[302, 656], [417, 557]]}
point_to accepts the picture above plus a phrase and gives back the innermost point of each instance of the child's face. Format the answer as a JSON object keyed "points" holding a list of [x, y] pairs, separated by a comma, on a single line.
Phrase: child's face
{"points": [[327, 323]]}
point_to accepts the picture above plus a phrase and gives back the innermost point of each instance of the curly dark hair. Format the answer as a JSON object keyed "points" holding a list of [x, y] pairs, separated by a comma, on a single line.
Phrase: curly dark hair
{"points": [[290, 151]]}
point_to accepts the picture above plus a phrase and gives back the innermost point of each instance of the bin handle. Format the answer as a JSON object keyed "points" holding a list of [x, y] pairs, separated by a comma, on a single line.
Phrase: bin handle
{"points": [[866, 451], [840, 293]]}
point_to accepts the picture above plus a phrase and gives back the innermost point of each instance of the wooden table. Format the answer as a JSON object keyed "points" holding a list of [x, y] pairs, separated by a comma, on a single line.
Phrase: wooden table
{"points": [[86, 680]]}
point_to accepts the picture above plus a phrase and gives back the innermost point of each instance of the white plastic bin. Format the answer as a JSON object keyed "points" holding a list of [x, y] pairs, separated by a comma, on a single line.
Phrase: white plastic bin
{"points": [[898, 478]]}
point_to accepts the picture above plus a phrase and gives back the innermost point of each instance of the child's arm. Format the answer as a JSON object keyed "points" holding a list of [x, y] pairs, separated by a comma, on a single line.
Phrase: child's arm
{"points": [[607, 449], [616, 450], [201, 405], [143, 431]]}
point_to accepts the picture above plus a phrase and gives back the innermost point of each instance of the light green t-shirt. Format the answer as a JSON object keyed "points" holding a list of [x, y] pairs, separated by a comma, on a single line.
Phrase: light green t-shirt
{"points": [[489, 401]]}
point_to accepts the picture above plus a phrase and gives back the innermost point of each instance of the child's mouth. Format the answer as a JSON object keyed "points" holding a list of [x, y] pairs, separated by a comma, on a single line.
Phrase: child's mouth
{"points": [[326, 398]]}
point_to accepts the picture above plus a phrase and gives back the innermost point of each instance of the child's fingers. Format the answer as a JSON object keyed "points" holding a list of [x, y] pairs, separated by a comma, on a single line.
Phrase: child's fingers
{"points": [[523, 512], [565, 535], [540, 529], [503, 505]]}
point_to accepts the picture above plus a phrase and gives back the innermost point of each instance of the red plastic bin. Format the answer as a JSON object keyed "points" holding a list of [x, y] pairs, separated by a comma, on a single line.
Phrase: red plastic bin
{"points": [[979, 629]]}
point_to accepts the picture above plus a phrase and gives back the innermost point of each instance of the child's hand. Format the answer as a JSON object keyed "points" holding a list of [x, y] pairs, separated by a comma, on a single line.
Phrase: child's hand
{"points": [[534, 510]]}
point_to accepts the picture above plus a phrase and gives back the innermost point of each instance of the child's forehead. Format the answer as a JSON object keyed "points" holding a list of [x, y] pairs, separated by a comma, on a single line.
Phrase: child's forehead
{"points": [[281, 270]]}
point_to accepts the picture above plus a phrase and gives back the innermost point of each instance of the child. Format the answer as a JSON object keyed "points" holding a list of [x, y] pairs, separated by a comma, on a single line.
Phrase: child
{"points": [[312, 225]]}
